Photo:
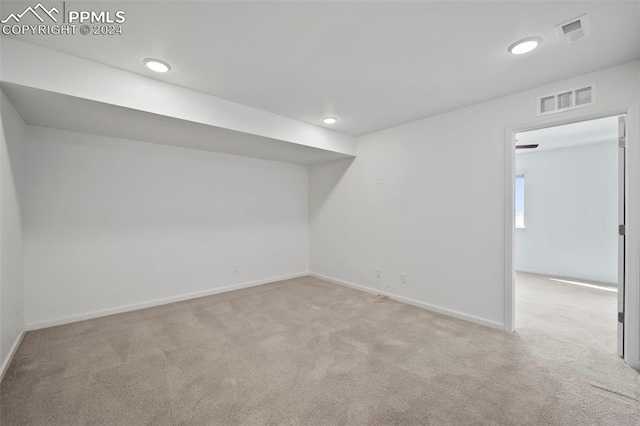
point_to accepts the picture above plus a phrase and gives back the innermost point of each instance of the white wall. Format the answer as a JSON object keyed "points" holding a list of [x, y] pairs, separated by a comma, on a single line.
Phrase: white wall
{"points": [[439, 213], [571, 212], [11, 260], [111, 223]]}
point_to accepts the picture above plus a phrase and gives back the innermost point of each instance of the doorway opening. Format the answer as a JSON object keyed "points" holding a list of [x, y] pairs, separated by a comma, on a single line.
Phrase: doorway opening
{"points": [[569, 207]]}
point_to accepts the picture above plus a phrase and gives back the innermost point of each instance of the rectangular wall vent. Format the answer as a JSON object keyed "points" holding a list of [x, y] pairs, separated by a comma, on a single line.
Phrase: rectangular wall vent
{"points": [[574, 29], [567, 100]]}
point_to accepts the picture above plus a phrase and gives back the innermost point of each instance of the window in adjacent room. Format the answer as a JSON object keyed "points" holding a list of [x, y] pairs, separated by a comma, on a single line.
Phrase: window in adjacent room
{"points": [[519, 197]]}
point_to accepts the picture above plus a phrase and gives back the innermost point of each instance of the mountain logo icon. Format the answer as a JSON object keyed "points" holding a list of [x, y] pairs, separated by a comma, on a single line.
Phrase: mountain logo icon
{"points": [[34, 11]]}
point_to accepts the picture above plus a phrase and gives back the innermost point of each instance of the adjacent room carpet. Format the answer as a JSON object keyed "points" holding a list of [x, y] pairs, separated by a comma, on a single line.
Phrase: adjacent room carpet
{"points": [[308, 352]]}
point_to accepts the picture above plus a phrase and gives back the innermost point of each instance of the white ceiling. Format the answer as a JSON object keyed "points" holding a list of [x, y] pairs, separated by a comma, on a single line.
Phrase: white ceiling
{"points": [[47, 109], [569, 135], [373, 65]]}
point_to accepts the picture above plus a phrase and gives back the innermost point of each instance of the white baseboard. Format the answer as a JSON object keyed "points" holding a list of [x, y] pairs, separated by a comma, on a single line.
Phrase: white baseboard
{"points": [[157, 302], [7, 361], [427, 306]]}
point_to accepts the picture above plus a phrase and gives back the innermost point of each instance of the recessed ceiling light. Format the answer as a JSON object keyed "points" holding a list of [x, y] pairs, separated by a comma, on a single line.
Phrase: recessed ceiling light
{"points": [[525, 45], [157, 65], [330, 120]]}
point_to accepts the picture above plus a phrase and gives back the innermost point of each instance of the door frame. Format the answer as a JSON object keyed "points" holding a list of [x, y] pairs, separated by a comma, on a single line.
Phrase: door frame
{"points": [[622, 198], [632, 213]]}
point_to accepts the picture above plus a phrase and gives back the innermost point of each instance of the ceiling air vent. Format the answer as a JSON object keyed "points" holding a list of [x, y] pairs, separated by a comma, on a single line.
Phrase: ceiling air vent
{"points": [[574, 29], [567, 100]]}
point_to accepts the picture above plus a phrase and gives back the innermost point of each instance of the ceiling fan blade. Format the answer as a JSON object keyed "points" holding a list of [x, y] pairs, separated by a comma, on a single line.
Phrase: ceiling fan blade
{"points": [[531, 146]]}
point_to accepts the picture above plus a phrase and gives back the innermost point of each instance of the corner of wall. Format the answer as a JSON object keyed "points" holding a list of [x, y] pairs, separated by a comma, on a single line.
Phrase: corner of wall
{"points": [[12, 320]]}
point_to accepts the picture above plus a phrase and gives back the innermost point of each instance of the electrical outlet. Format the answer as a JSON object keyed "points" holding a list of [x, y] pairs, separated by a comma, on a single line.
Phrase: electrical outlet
{"points": [[379, 273], [403, 278], [236, 269]]}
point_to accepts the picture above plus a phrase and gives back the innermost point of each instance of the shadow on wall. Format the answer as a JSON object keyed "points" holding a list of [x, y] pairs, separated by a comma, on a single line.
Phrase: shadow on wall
{"points": [[12, 126], [328, 178]]}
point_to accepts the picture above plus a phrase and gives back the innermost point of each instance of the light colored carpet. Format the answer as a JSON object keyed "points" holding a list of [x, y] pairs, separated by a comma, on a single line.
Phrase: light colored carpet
{"points": [[309, 352], [573, 329]]}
